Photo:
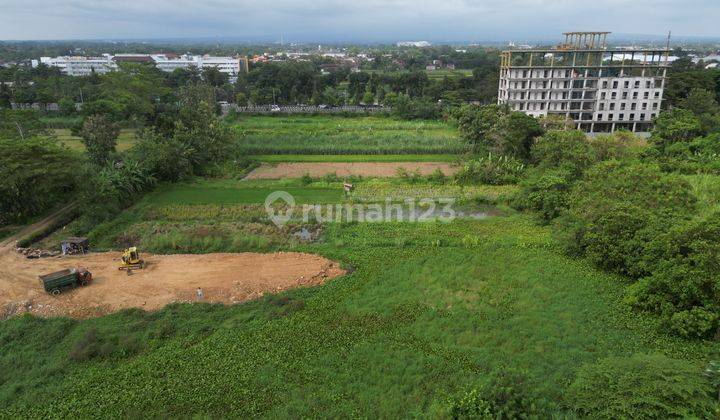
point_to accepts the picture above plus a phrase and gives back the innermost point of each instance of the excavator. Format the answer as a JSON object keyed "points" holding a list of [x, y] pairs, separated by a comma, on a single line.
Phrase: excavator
{"points": [[131, 260]]}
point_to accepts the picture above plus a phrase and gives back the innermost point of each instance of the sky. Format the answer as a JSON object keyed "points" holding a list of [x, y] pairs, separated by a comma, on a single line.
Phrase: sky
{"points": [[352, 20]]}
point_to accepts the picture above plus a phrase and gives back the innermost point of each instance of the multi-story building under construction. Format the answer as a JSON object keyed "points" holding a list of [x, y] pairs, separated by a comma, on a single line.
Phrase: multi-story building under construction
{"points": [[601, 90]]}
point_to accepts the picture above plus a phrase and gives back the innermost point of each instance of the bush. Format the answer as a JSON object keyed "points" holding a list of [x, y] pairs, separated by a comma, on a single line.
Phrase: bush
{"points": [[545, 193], [619, 145], [506, 395], [407, 108], [701, 155], [683, 286], [413, 177], [490, 169], [695, 323], [437, 177], [616, 208], [568, 150], [641, 387]]}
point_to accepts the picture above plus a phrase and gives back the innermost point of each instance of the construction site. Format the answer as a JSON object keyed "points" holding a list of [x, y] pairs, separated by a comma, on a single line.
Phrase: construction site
{"points": [[599, 89], [120, 280]]}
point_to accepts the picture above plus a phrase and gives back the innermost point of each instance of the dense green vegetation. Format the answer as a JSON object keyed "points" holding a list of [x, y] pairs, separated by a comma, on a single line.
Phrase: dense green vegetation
{"points": [[596, 296], [340, 135], [428, 313]]}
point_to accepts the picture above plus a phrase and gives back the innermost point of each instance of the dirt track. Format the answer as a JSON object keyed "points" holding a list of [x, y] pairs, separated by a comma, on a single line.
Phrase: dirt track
{"points": [[227, 278], [341, 169]]}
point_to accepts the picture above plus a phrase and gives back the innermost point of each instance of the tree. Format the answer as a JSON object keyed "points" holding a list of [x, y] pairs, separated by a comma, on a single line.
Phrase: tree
{"points": [[514, 134], [206, 139], [641, 387], [368, 98], [700, 101], [678, 125], [214, 77], [34, 175], [67, 106], [99, 135], [496, 129], [241, 99], [476, 122], [20, 124], [568, 150]]}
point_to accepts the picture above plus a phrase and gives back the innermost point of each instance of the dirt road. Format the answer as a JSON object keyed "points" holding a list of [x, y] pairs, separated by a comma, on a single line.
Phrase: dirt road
{"points": [[341, 169], [227, 278]]}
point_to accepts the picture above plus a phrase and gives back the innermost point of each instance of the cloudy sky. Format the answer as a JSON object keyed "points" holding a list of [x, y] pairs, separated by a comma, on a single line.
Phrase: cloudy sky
{"points": [[351, 20]]}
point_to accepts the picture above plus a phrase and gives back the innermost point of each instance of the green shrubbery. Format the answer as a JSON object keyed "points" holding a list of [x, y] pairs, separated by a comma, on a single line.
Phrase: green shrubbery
{"points": [[617, 206], [642, 387], [683, 286], [613, 205], [496, 129], [506, 395], [490, 169], [37, 175]]}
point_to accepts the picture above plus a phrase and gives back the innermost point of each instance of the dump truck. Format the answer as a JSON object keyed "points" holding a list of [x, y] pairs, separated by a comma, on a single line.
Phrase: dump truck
{"points": [[55, 283]]}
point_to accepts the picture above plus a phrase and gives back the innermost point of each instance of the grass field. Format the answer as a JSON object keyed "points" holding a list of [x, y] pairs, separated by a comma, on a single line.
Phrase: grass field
{"points": [[317, 135], [356, 158], [442, 73], [125, 141], [427, 311]]}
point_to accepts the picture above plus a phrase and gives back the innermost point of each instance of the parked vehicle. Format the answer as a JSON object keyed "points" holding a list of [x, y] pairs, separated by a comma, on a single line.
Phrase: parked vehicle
{"points": [[54, 283]]}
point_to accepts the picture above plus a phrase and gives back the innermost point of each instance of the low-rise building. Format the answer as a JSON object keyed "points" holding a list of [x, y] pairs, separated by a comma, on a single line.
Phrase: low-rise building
{"points": [[84, 66]]}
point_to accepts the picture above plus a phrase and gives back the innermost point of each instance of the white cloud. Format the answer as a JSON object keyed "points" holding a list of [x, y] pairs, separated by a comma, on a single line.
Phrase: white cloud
{"points": [[371, 20]]}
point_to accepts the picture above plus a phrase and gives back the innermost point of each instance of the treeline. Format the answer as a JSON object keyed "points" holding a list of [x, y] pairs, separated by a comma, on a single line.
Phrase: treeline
{"points": [[183, 139], [130, 93]]}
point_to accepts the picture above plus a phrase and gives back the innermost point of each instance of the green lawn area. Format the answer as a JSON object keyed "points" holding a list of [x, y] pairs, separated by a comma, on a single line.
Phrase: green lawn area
{"points": [[125, 141], [442, 73], [427, 311], [324, 135]]}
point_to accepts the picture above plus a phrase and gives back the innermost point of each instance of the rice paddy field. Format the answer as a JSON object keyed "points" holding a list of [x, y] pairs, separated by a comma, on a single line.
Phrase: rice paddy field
{"points": [[425, 313], [333, 135]]}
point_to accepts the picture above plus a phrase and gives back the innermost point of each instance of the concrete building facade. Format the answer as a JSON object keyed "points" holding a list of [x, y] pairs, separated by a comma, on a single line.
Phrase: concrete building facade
{"points": [[599, 89], [84, 66]]}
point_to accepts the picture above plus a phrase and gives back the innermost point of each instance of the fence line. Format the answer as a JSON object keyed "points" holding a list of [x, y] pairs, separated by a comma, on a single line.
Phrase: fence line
{"points": [[254, 109]]}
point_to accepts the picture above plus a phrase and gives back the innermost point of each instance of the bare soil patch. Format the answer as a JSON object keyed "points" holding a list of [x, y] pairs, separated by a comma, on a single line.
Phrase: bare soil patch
{"points": [[342, 169], [226, 278]]}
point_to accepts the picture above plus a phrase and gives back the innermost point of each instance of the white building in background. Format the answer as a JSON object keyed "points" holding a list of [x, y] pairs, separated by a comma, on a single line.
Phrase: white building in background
{"points": [[80, 66], [419, 44], [84, 66], [599, 89]]}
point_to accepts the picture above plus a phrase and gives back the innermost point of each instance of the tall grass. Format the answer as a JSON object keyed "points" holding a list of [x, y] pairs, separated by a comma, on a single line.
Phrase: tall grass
{"points": [[707, 189]]}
